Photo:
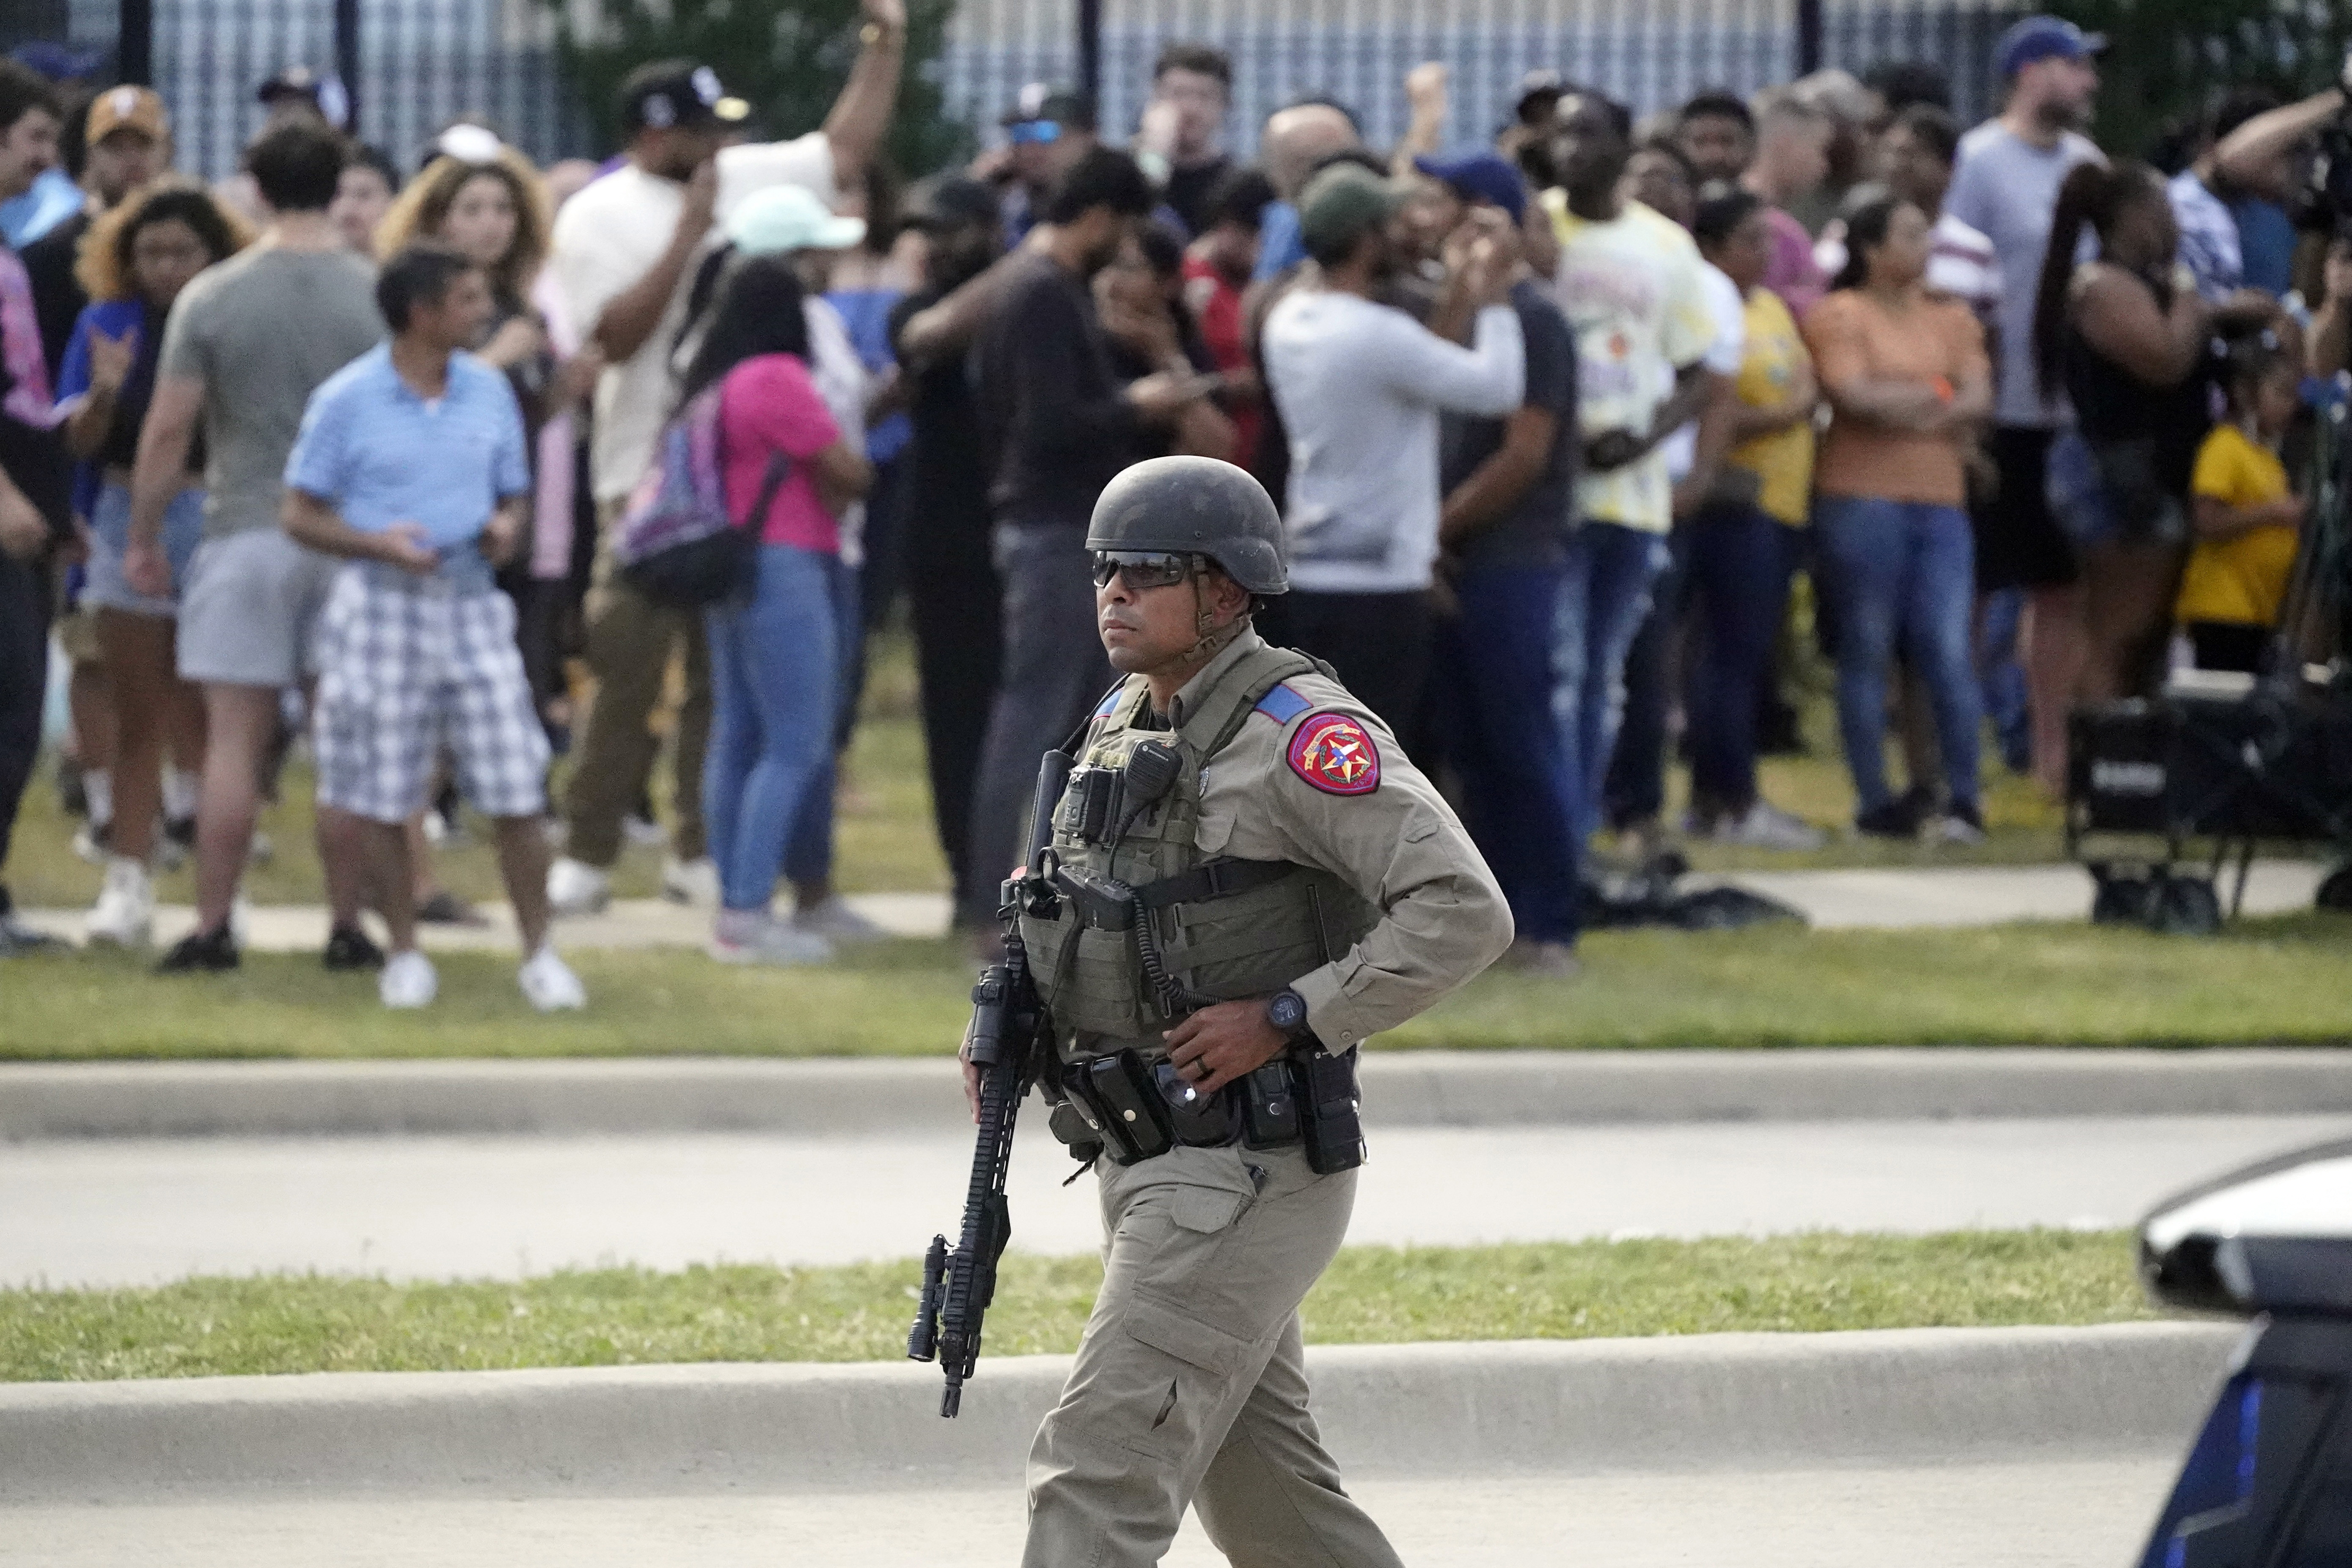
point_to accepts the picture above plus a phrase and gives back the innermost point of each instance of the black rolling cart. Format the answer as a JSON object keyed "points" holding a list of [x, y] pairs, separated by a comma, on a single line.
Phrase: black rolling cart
{"points": [[2168, 797]]}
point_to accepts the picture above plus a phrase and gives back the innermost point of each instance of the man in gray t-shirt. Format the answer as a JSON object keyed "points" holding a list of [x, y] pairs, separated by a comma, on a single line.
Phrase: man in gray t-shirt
{"points": [[247, 344]]}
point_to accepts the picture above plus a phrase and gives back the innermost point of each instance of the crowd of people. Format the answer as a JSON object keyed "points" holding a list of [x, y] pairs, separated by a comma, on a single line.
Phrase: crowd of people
{"points": [[1555, 420]]}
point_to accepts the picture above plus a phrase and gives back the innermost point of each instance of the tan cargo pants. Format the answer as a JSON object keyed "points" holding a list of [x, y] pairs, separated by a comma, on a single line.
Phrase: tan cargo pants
{"points": [[1191, 1385], [630, 641]]}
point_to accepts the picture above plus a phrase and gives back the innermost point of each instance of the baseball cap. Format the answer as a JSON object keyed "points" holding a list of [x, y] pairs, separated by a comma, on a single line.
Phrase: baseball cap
{"points": [[126, 109], [1479, 174], [1058, 105], [949, 201], [1343, 202], [784, 218], [2043, 38], [677, 93]]}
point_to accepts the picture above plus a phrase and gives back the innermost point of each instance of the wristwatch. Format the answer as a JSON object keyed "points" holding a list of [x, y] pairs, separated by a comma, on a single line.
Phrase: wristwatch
{"points": [[1286, 1011]]}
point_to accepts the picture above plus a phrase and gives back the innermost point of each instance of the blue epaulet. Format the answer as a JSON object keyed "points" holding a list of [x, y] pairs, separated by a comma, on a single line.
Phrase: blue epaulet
{"points": [[1111, 701], [1282, 704]]}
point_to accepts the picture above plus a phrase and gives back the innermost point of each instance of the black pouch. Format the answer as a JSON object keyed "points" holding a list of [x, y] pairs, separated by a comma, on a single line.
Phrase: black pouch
{"points": [[1198, 1120], [1270, 1107], [1127, 1107], [1329, 1119]]}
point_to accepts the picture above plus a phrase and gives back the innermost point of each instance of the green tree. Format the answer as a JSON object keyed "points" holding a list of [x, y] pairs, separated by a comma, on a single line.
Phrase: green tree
{"points": [[2168, 61], [787, 58]]}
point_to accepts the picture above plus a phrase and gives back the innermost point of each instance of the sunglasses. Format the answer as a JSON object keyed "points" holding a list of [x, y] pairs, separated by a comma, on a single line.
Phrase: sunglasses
{"points": [[1141, 569], [1034, 130]]}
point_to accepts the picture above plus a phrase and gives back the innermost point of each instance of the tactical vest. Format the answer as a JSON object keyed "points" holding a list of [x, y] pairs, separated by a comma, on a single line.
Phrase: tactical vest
{"points": [[1222, 928]]}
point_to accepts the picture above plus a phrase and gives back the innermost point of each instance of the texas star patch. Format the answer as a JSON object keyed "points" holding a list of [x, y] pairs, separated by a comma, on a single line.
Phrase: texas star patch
{"points": [[1335, 754]]}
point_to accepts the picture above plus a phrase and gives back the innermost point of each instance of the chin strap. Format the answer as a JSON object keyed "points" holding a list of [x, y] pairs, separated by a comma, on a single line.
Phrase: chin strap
{"points": [[1214, 640]]}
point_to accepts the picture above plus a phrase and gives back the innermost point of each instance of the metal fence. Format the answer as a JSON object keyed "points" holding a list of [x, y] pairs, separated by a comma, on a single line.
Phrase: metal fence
{"points": [[425, 61], [1651, 53]]}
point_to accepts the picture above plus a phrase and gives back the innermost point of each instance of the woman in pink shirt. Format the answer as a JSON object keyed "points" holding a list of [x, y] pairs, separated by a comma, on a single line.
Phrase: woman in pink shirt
{"points": [[773, 651]]}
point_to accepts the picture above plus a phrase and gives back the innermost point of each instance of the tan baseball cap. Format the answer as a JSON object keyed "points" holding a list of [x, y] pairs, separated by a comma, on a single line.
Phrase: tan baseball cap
{"points": [[127, 108]]}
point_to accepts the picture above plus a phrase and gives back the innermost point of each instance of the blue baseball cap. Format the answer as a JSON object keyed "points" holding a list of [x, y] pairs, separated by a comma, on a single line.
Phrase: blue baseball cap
{"points": [[2043, 38], [1479, 175]]}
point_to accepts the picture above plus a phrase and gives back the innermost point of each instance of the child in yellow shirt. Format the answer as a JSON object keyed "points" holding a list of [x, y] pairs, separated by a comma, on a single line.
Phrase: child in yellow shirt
{"points": [[2247, 520]]}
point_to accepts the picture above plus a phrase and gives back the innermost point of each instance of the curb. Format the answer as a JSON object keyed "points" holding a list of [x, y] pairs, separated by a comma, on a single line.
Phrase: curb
{"points": [[874, 1096], [1696, 1403]]}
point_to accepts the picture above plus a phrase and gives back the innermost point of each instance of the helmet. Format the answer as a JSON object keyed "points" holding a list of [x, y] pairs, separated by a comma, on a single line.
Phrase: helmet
{"points": [[1195, 506]]}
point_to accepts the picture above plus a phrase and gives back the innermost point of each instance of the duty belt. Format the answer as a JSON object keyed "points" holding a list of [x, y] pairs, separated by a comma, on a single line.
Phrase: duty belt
{"points": [[1105, 905], [1135, 1109]]}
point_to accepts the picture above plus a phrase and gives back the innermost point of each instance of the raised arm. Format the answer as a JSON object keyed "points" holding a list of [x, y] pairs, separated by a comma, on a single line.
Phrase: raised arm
{"points": [[630, 317], [861, 115]]}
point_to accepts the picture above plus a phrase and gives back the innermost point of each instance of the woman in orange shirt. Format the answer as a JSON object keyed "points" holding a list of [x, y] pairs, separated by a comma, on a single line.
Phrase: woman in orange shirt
{"points": [[1907, 383]]}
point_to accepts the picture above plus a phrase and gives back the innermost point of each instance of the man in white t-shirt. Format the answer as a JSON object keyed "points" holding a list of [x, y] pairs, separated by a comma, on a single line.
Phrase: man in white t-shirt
{"points": [[1634, 287], [624, 253]]}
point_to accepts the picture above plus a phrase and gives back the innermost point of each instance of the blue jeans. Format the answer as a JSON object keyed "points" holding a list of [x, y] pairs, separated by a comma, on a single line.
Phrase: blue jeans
{"points": [[774, 678], [1737, 566], [1604, 595], [1494, 672], [1901, 569], [808, 854]]}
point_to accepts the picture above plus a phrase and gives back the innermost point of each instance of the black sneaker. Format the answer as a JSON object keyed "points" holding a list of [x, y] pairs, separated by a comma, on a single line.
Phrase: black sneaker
{"points": [[1896, 819], [348, 948], [17, 940], [202, 953]]}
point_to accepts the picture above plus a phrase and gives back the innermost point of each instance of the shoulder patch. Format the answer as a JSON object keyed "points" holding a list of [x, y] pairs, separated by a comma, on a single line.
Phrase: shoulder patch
{"points": [[1336, 754], [1282, 704]]}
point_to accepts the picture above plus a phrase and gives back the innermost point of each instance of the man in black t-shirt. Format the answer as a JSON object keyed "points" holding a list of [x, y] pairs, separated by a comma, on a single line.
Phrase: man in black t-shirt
{"points": [[1503, 529], [952, 587], [1058, 426], [32, 475], [1184, 124]]}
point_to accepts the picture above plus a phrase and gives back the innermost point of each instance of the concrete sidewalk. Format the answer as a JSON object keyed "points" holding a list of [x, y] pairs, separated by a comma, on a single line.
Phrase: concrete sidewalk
{"points": [[147, 1211], [1704, 1402], [2046, 1512], [1879, 899], [834, 1097]]}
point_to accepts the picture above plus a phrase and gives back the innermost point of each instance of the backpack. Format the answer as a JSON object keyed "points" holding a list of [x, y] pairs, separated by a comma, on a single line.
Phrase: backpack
{"points": [[678, 544]]}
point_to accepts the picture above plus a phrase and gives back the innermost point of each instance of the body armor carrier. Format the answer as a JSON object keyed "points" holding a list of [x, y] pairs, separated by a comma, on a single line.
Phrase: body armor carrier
{"points": [[1147, 928]]}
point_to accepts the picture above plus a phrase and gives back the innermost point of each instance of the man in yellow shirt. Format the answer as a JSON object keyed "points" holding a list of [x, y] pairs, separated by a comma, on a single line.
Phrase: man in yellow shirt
{"points": [[2247, 518], [1629, 284]]}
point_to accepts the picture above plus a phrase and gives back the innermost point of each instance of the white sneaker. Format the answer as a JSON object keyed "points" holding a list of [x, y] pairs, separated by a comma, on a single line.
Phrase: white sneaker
{"points": [[548, 985], [408, 980], [576, 888], [643, 832], [691, 882], [89, 843], [836, 921], [124, 914], [771, 941], [1765, 827]]}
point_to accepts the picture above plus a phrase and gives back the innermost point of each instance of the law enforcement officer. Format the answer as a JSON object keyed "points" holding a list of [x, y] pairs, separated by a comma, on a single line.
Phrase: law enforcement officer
{"points": [[1251, 880]]}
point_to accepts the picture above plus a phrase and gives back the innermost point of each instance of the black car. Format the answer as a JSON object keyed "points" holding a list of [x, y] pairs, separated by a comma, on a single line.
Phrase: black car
{"points": [[2269, 1482]]}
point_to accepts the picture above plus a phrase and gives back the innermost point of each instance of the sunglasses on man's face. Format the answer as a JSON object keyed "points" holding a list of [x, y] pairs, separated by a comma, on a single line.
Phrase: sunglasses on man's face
{"points": [[1141, 569]]}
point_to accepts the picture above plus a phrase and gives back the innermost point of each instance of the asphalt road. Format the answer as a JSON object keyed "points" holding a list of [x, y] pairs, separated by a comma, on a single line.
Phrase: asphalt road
{"points": [[2065, 1512], [138, 1211]]}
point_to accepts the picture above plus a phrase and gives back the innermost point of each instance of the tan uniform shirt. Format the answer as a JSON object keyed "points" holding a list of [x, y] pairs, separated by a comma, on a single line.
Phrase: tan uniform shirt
{"points": [[1398, 844]]}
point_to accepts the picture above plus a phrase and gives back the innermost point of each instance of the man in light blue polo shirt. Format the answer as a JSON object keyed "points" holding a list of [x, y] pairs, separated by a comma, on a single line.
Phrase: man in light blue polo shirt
{"points": [[410, 466]]}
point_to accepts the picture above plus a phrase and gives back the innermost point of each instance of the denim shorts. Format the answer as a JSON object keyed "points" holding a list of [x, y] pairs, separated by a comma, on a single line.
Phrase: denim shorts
{"points": [[2080, 501], [105, 586]]}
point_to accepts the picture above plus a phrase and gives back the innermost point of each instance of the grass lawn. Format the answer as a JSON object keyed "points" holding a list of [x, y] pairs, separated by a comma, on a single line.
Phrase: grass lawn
{"points": [[1371, 1295], [886, 845], [2281, 980]]}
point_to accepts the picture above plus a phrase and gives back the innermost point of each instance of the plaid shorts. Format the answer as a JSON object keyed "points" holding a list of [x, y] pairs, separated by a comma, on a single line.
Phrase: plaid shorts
{"points": [[409, 669]]}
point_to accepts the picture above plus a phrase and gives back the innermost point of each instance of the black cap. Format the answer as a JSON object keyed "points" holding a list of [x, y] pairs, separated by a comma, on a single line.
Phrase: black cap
{"points": [[1062, 105], [1538, 87], [949, 201], [676, 93], [323, 92]]}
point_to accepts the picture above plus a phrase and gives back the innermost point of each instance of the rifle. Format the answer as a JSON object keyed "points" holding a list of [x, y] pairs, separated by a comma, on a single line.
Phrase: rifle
{"points": [[1011, 1039]]}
